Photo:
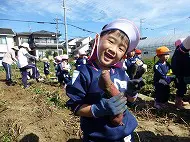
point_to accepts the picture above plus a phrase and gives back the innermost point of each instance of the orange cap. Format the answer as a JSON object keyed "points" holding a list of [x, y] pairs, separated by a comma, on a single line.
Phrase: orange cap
{"points": [[162, 50]]}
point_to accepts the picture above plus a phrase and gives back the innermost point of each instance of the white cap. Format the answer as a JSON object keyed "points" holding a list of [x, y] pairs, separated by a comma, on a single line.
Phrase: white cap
{"points": [[179, 41], [26, 45], [129, 28], [64, 57], [186, 43], [15, 47], [45, 59], [81, 52]]}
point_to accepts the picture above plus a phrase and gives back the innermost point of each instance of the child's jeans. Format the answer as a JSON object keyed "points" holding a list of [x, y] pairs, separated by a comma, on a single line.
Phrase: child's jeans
{"points": [[8, 71], [35, 73]]}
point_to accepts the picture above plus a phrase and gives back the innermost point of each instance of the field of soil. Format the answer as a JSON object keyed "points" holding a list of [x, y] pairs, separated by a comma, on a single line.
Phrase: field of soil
{"points": [[38, 114]]}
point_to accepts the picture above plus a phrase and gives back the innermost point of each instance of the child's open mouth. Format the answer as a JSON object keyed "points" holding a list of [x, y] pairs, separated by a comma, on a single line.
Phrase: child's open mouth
{"points": [[108, 56]]}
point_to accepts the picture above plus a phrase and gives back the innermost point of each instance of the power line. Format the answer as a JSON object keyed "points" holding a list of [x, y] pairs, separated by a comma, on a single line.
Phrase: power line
{"points": [[43, 22]]}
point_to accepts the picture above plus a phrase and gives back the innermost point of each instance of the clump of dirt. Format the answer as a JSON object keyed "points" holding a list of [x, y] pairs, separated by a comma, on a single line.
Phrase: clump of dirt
{"points": [[39, 114]]}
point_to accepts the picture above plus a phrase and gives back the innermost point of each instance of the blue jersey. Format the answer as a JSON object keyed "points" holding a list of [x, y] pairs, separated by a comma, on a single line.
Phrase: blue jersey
{"points": [[84, 89], [80, 61], [160, 71], [130, 61]]}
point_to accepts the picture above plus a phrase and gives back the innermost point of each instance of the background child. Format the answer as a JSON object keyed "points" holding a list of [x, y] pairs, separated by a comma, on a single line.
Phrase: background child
{"points": [[63, 69], [161, 80], [138, 53], [66, 67], [181, 67], [46, 67], [89, 101], [56, 61], [135, 67], [23, 64], [82, 59]]}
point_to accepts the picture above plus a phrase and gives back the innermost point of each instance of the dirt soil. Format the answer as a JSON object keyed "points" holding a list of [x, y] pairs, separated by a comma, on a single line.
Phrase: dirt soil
{"points": [[38, 114]]}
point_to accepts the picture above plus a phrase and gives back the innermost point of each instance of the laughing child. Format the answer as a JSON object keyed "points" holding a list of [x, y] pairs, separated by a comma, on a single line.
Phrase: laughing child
{"points": [[89, 101]]}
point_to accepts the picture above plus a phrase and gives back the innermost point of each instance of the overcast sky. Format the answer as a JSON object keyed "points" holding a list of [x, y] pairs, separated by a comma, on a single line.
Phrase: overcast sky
{"points": [[158, 17]]}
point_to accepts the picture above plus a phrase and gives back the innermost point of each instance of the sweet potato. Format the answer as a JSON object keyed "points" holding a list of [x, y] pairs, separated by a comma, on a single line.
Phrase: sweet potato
{"points": [[110, 89]]}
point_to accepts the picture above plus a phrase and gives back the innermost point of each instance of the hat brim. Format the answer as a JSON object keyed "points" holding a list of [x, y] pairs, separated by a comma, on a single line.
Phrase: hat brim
{"points": [[166, 53]]}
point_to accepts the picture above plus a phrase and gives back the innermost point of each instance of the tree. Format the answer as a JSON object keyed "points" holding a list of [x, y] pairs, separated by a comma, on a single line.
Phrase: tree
{"points": [[48, 53]]}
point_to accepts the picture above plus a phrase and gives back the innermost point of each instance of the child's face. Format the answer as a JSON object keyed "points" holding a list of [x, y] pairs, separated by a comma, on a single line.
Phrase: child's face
{"points": [[164, 57], [131, 54], [111, 49]]}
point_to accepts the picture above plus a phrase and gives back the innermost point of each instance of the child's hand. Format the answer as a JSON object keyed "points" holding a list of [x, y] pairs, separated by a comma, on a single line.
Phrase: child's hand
{"points": [[113, 106], [134, 86], [169, 79]]}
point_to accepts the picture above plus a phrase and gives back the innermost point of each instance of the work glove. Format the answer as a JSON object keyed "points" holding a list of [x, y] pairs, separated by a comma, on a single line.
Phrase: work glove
{"points": [[113, 106], [169, 79], [134, 86], [187, 80]]}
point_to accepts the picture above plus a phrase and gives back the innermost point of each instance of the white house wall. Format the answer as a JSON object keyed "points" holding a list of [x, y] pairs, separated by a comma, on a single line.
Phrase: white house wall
{"points": [[85, 48], [86, 40], [10, 42]]}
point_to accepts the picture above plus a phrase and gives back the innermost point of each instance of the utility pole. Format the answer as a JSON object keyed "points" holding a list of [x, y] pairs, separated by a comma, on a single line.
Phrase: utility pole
{"points": [[57, 38], [65, 25], [141, 21]]}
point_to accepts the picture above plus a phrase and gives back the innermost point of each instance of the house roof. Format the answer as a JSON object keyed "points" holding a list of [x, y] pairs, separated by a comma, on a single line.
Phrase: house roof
{"points": [[42, 33], [80, 40], [46, 33], [24, 34], [6, 31]]}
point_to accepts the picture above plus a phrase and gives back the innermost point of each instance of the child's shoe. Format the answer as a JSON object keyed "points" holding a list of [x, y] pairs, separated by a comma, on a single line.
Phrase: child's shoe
{"points": [[27, 86], [159, 105], [179, 103]]}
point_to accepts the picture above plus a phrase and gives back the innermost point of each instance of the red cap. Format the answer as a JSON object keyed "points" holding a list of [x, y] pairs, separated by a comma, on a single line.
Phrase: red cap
{"points": [[138, 51]]}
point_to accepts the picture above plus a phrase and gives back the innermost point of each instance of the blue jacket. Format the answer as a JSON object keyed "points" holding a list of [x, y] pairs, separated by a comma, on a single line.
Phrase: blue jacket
{"points": [[180, 62], [130, 61], [160, 72], [84, 89], [80, 61]]}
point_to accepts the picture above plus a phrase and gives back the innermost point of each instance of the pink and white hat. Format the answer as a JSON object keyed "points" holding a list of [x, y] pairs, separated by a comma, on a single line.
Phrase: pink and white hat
{"points": [[64, 57], [58, 58], [179, 41], [129, 28]]}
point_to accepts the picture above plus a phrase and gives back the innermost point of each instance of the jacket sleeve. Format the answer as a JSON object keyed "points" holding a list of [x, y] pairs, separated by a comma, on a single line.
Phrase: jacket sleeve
{"points": [[159, 72], [76, 91]]}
